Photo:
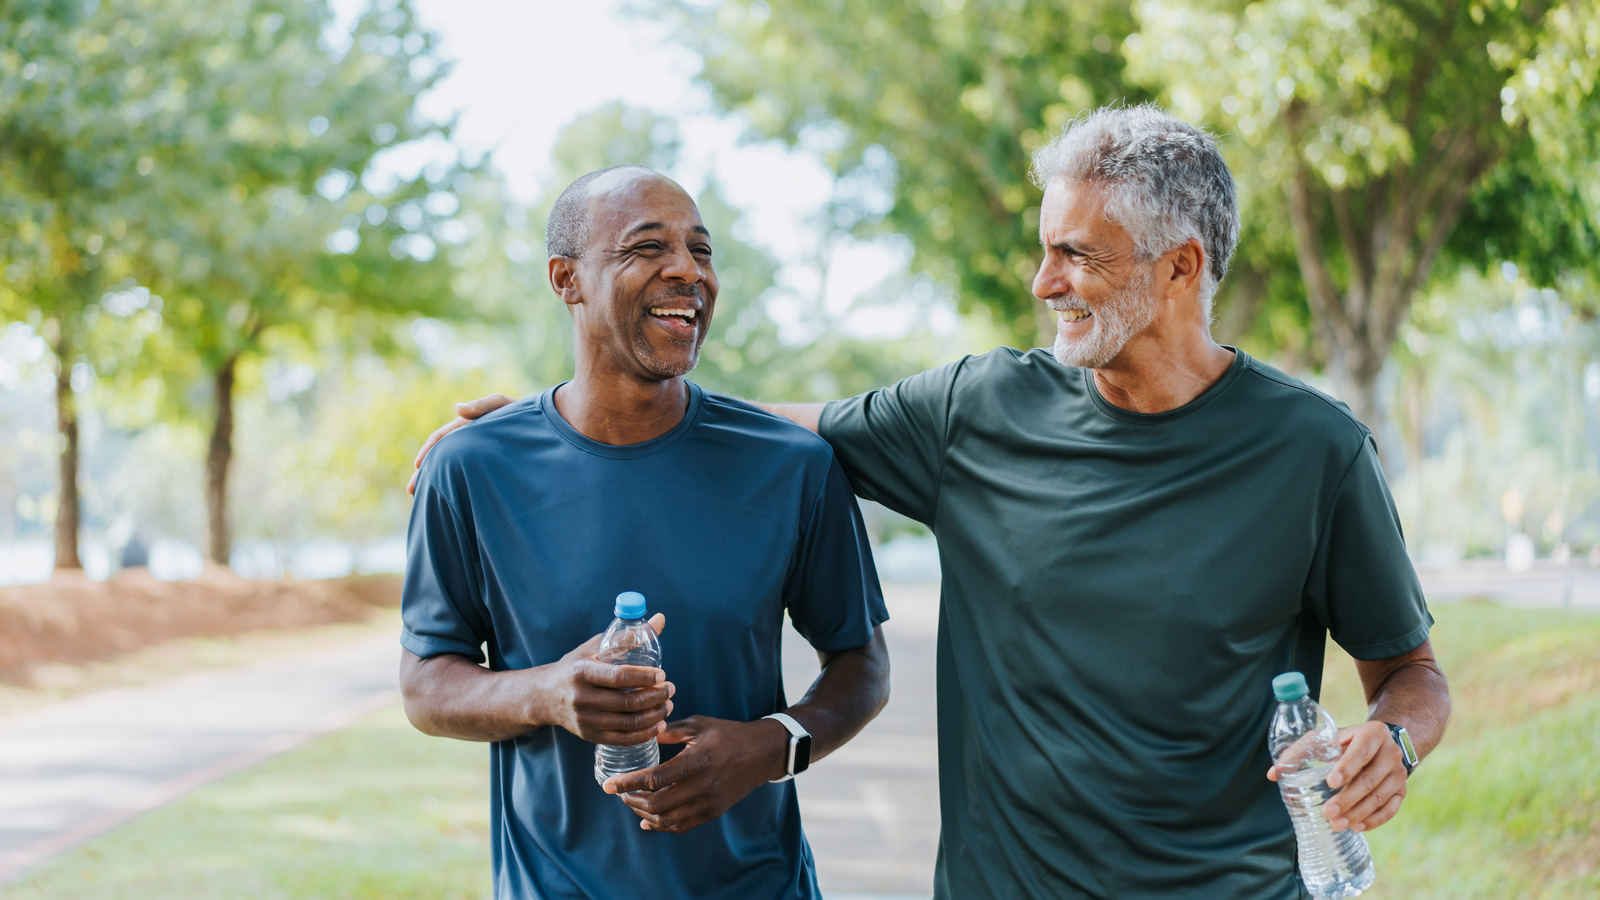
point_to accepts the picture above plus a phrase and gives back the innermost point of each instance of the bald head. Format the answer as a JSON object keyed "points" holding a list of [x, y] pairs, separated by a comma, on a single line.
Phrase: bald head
{"points": [[568, 230]]}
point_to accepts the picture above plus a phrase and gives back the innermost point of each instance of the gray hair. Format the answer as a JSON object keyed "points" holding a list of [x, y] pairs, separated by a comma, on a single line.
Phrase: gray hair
{"points": [[566, 232], [1165, 181]]}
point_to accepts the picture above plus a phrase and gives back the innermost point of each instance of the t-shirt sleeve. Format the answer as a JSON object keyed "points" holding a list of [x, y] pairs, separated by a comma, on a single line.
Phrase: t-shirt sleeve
{"points": [[891, 441], [832, 592], [440, 609], [1362, 586]]}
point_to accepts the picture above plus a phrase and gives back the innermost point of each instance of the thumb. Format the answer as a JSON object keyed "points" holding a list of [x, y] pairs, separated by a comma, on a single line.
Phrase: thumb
{"points": [[658, 622]]}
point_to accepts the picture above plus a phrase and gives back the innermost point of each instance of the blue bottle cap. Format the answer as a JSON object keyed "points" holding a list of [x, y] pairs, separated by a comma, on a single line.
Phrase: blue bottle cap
{"points": [[1289, 686], [630, 605]]}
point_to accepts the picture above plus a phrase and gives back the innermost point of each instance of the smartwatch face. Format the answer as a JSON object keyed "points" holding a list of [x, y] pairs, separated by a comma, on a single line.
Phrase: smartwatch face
{"points": [[1405, 745], [802, 754]]}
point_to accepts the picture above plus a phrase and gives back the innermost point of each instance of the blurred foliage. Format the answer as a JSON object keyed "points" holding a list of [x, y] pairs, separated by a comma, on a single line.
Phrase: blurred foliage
{"points": [[925, 111], [1382, 125], [1499, 415], [1399, 133], [213, 163]]}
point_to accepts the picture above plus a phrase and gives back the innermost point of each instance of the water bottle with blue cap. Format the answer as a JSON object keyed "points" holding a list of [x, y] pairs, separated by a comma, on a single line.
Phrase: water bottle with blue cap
{"points": [[629, 641]]}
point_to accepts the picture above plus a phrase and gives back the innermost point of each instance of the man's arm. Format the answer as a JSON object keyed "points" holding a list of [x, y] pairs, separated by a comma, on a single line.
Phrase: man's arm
{"points": [[1408, 690], [806, 415], [724, 760], [451, 696]]}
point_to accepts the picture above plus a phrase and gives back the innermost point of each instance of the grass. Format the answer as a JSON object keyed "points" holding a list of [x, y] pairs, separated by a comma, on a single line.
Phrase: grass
{"points": [[1508, 806], [1509, 803], [376, 811]]}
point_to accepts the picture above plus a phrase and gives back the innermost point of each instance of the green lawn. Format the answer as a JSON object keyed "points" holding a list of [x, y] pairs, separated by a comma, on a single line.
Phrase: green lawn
{"points": [[377, 811], [1508, 807]]}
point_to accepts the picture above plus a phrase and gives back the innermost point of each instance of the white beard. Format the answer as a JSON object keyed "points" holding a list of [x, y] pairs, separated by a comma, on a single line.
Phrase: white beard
{"points": [[1129, 311]]}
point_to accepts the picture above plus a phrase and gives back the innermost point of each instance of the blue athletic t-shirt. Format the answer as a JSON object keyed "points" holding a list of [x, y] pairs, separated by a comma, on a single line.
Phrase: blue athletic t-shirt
{"points": [[523, 532]]}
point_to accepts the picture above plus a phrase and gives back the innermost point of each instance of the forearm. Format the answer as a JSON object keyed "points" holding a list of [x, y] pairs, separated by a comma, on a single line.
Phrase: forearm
{"points": [[1417, 696], [806, 415], [849, 692], [452, 696]]}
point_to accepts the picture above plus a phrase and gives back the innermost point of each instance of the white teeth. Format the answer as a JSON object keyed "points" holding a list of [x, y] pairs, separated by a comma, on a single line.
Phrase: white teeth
{"points": [[673, 311]]}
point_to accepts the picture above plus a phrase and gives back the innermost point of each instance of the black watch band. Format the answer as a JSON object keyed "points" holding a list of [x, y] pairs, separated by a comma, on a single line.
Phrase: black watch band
{"points": [[1408, 751]]}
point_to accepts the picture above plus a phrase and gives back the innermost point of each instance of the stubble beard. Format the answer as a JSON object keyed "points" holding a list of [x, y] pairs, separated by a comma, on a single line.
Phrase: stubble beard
{"points": [[1130, 310]]}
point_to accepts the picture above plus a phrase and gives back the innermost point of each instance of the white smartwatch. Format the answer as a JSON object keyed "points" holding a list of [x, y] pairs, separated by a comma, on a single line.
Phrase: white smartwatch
{"points": [[799, 758]]}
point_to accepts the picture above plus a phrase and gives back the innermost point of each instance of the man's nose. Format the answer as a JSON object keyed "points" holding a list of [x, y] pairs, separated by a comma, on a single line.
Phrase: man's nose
{"points": [[682, 266], [1048, 282]]}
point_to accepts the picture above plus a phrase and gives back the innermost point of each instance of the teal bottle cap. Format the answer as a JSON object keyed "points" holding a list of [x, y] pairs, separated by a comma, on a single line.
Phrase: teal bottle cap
{"points": [[1289, 686], [630, 605]]}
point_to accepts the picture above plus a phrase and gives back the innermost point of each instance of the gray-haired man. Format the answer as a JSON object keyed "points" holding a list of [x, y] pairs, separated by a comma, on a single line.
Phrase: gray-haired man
{"points": [[1137, 531]]}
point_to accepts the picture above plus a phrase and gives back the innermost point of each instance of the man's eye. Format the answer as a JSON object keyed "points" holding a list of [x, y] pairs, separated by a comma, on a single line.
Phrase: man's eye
{"points": [[648, 246], [703, 251]]}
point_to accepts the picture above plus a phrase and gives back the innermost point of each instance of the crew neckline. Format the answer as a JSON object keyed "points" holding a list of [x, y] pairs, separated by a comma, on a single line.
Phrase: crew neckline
{"points": [[547, 402], [1236, 368]]}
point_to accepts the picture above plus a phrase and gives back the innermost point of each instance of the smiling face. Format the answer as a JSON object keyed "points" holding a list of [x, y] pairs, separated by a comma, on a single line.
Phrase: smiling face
{"points": [[1091, 276], [643, 289]]}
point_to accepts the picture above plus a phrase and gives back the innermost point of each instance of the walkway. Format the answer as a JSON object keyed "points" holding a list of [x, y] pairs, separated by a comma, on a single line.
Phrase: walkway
{"points": [[75, 769]]}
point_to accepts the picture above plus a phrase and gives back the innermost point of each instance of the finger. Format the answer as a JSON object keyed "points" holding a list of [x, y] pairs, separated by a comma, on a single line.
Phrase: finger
{"points": [[658, 622], [681, 732], [411, 486], [1358, 752], [686, 818], [473, 409], [1383, 815], [620, 678], [1387, 789], [1272, 773], [609, 727], [435, 437], [621, 738], [654, 782]]}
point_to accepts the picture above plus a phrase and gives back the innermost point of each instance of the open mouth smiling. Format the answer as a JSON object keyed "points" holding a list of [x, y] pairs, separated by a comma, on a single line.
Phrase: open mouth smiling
{"points": [[679, 321]]}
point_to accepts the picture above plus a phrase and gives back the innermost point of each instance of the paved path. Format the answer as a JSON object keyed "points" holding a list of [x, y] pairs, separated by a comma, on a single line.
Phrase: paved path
{"points": [[871, 810], [75, 769]]}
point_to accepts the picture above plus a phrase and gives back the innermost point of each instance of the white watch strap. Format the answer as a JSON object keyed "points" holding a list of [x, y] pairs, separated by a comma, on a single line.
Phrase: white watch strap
{"points": [[796, 731]]}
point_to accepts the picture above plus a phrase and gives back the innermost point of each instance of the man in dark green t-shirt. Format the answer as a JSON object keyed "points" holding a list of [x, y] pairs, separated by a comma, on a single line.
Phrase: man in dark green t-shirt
{"points": [[1138, 530]]}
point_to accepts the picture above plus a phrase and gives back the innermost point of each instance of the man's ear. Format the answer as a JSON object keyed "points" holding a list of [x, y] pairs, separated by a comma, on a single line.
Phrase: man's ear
{"points": [[564, 279], [1188, 268]]}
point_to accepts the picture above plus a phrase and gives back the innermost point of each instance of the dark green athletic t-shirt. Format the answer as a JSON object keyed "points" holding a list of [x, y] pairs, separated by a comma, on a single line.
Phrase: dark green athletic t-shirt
{"points": [[1119, 590]]}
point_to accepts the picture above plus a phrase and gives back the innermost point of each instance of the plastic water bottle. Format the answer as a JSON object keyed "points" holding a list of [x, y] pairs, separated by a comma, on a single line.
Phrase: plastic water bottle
{"points": [[1305, 744], [630, 641]]}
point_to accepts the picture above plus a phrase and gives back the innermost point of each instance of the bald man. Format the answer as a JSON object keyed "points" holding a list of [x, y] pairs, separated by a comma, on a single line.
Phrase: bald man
{"points": [[630, 478]]}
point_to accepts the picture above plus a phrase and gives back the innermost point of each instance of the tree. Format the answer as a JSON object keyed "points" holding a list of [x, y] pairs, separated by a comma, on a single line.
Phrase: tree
{"points": [[927, 113], [1370, 130], [84, 92], [269, 219]]}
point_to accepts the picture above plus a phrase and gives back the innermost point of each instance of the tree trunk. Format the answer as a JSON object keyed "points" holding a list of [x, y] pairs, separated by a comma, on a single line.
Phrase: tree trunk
{"points": [[219, 456], [1354, 369], [67, 425]]}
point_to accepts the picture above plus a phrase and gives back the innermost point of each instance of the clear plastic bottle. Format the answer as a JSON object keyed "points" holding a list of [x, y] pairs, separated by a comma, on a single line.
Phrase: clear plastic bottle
{"points": [[630, 641], [1305, 744]]}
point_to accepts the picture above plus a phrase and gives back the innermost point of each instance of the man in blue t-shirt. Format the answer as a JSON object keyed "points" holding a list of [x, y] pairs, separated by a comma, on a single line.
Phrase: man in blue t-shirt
{"points": [[628, 477]]}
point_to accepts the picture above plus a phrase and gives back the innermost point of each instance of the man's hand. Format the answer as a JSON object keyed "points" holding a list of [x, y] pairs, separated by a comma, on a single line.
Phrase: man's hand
{"points": [[1371, 772], [465, 412], [721, 763], [604, 703]]}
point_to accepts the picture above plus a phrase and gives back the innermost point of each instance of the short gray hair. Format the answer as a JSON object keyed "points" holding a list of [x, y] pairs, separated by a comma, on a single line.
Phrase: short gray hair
{"points": [[1165, 181], [566, 232]]}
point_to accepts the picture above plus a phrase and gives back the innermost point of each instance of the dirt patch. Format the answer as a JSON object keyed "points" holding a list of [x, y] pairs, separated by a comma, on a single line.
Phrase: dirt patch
{"points": [[73, 619]]}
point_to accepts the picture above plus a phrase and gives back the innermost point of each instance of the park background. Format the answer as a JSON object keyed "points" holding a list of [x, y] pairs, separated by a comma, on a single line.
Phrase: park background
{"points": [[252, 251]]}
